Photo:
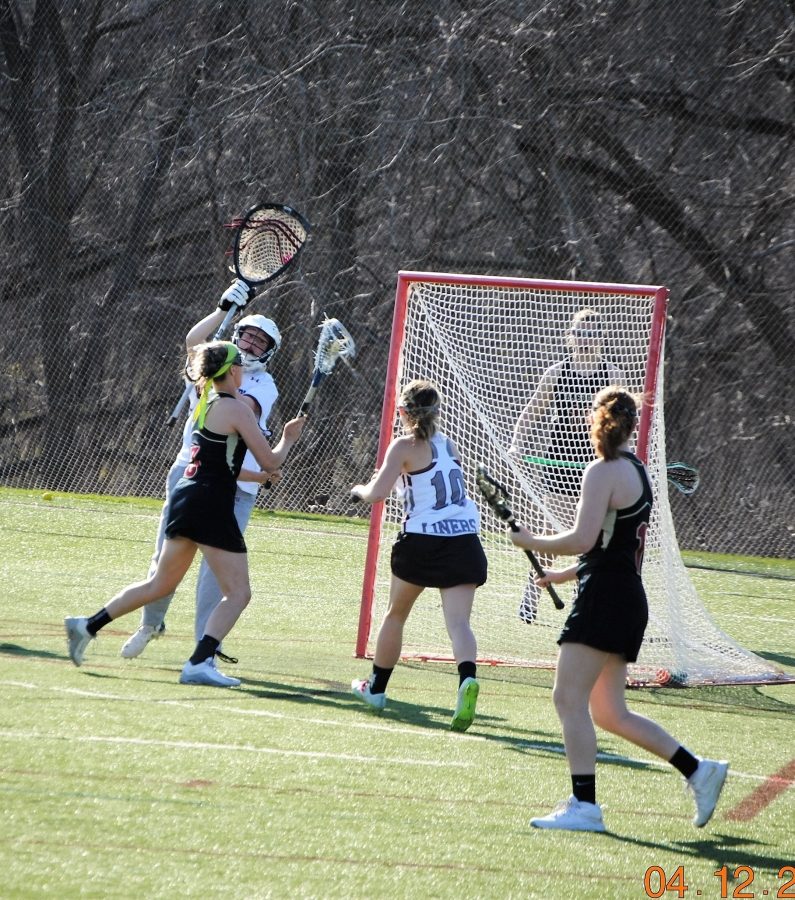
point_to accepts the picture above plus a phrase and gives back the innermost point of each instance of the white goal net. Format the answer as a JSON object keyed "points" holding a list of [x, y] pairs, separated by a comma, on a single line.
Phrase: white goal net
{"points": [[487, 342]]}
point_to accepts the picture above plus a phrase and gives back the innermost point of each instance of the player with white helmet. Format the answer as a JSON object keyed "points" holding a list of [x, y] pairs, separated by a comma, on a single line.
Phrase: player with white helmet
{"points": [[258, 338], [253, 359]]}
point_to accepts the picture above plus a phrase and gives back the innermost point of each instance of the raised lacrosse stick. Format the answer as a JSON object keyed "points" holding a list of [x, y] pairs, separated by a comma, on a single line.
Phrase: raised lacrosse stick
{"points": [[335, 343], [268, 240]]}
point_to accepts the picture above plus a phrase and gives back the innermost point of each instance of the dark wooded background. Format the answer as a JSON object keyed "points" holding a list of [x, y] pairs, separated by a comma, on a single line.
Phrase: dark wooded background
{"points": [[604, 141]]}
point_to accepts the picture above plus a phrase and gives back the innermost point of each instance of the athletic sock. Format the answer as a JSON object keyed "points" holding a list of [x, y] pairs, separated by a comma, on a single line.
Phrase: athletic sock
{"points": [[684, 761], [379, 679], [466, 670], [97, 621], [205, 649], [584, 788]]}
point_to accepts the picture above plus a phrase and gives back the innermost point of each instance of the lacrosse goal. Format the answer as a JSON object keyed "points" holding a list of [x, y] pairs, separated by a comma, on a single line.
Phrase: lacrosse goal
{"points": [[486, 341]]}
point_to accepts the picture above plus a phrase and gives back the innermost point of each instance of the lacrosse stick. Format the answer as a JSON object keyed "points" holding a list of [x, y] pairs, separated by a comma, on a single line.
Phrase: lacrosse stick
{"points": [[683, 477], [497, 497], [268, 240], [334, 343]]}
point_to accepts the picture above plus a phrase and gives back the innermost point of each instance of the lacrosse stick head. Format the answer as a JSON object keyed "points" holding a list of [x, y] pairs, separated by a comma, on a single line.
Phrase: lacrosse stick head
{"points": [[683, 477], [267, 240], [494, 493], [335, 343]]}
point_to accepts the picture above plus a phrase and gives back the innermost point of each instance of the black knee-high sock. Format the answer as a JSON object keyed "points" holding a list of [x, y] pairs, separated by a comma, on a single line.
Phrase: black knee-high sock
{"points": [[205, 649], [684, 761], [379, 679], [466, 670], [97, 621], [584, 788]]}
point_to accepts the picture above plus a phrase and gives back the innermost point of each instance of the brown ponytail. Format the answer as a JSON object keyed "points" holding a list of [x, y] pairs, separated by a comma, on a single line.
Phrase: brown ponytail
{"points": [[209, 361], [421, 401], [615, 415]]}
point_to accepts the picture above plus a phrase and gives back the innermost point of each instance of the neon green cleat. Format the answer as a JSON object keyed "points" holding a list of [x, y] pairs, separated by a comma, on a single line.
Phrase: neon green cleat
{"points": [[464, 713]]}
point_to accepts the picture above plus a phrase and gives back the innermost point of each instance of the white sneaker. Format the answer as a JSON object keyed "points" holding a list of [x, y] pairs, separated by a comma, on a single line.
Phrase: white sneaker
{"points": [[206, 673], [136, 642], [705, 784], [361, 687], [572, 815], [464, 713], [77, 637]]}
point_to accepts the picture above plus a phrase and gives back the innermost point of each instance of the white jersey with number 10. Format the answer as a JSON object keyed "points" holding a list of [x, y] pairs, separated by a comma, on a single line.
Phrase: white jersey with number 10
{"points": [[435, 499]]}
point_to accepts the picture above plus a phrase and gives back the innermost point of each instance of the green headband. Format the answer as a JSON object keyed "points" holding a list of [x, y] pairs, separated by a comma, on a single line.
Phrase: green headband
{"points": [[232, 358]]}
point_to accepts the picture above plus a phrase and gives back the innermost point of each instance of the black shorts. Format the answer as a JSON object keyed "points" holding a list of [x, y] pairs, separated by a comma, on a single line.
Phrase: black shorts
{"points": [[610, 613], [205, 512], [429, 560]]}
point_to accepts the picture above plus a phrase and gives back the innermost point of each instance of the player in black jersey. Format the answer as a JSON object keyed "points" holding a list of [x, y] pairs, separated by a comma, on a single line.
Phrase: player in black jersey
{"points": [[604, 630], [200, 514], [552, 431]]}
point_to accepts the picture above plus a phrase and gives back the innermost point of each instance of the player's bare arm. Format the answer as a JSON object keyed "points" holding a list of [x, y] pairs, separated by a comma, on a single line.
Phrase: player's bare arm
{"points": [[400, 457], [234, 415], [536, 406], [595, 500], [203, 331]]}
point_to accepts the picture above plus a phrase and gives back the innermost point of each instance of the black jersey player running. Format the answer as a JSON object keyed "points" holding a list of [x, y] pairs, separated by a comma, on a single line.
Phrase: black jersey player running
{"points": [[552, 430], [200, 513], [438, 546], [605, 628]]}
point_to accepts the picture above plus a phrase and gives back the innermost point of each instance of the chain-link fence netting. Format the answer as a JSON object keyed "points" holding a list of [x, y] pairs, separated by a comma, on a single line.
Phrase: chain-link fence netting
{"points": [[634, 143]]}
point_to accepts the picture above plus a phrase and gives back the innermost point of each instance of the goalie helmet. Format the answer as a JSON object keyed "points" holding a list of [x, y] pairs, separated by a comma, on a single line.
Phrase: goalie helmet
{"points": [[251, 361]]}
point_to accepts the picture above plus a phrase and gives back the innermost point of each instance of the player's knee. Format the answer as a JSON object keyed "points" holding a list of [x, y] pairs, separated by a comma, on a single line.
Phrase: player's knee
{"points": [[239, 598], [159, 586], [567, 701], [396, 616], [608, 718]]}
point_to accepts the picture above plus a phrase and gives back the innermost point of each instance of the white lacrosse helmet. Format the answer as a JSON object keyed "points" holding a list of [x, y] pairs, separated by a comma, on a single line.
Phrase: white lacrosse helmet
{"points": [[252, 363]]}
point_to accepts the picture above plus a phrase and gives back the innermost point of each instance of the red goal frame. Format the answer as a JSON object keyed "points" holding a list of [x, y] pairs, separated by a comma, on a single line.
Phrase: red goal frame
{"points": [[404, 282]]}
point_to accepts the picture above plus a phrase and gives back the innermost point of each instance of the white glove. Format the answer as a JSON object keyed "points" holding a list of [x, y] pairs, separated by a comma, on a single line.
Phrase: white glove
{"points": [[237, 294]]}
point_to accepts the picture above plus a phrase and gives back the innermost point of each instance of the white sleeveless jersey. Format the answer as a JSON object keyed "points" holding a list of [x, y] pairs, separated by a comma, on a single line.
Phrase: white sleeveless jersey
{"points": [[435, 500], [260, 386]]}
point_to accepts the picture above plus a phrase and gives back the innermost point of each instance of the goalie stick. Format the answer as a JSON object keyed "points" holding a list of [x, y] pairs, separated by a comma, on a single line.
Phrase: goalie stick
{"points": [[497, 497], [268, 240]]}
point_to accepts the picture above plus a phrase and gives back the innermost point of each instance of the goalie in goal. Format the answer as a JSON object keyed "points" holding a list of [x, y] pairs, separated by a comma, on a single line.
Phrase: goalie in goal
{"points": [[562, 402]]}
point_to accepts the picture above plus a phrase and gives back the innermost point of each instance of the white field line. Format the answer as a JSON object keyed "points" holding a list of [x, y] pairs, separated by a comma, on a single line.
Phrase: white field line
{"points": [[228, 708], [225, 748]]}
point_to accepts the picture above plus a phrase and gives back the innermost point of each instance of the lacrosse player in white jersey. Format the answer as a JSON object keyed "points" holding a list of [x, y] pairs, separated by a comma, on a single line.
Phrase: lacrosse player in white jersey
{"points": [[438, 546], [258, 339]]}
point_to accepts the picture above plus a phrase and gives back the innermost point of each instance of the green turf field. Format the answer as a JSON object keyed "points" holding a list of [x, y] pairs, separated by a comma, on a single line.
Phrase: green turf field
{"points": [[119, 782]]}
